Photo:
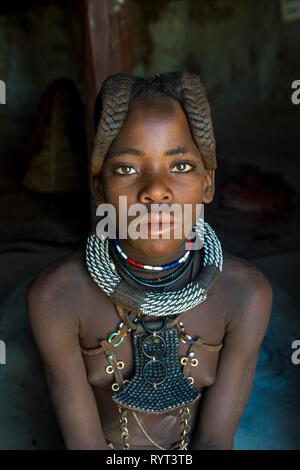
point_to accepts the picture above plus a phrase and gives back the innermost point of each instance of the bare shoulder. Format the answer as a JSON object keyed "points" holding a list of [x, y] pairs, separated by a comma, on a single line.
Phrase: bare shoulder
{"points": [[241, 272], [55, 292], [250, 290], [54, 304]]}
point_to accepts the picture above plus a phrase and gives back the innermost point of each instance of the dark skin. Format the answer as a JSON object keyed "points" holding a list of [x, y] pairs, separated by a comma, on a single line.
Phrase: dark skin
{"points": [[68, 310]]}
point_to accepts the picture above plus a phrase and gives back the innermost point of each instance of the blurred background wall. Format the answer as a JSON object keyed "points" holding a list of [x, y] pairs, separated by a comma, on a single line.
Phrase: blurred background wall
{"points": [[247, 57]]}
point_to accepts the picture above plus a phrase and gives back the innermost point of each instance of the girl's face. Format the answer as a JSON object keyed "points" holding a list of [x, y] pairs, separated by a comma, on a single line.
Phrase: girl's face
{"points": [[154, 160]]}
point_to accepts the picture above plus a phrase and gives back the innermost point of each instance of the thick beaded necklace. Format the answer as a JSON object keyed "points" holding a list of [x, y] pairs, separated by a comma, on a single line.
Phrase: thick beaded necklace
{"points": [[148, 301]]}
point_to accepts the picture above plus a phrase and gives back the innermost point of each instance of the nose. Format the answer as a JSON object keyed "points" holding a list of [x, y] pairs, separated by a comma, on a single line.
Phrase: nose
{"points": [[155, 190]]}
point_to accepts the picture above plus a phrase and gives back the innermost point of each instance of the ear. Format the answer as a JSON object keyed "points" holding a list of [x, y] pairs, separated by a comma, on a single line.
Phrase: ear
{"points": [[97, 190], [209, 186]]}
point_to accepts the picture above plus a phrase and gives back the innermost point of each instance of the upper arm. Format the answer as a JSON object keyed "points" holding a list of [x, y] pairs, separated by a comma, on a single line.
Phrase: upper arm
{"points": [[55, 331], [224, 401]]}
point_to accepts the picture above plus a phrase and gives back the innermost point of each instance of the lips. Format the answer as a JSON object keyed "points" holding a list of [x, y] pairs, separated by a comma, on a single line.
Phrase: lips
{"points": [[156, 219], [158, 224], [155, 224]]}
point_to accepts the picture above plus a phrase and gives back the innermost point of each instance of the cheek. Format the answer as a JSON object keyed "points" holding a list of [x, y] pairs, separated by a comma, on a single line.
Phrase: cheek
{"points": [[114, 188], [190, 197], [190, 191], [116, 197], [114, 191]]}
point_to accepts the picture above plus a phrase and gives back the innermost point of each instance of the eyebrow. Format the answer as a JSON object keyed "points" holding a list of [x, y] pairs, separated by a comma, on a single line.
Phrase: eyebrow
{"points": [[177, 151], [134, 151]]}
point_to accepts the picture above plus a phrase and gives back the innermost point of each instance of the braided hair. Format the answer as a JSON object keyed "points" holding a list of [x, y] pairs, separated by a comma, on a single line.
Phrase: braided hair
{"points": [[119, 90]]}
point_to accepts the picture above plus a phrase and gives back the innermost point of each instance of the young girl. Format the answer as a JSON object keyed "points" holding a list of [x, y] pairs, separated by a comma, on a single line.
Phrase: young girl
{"points": [[147, 343]]}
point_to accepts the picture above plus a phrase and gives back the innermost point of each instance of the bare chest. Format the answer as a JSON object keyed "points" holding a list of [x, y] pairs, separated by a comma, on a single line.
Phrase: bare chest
{"points": [[205, 322], [101, 320]]}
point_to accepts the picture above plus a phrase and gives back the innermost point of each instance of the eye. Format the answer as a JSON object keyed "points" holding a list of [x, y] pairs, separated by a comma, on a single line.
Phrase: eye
{"points": [[125, 170], [182, 167]]}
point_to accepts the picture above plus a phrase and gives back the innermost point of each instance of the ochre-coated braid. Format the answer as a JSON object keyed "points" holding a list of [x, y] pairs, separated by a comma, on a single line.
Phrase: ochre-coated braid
{"points": [[197, 109], [113, 102], [187, 88]]}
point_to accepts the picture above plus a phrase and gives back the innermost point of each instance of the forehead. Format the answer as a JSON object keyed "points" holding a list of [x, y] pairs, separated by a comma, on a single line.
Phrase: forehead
{"points": [[153, 116], [155, 107]]}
